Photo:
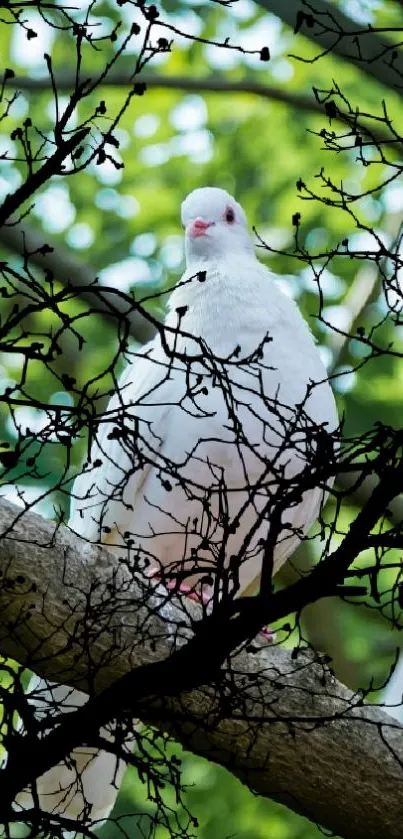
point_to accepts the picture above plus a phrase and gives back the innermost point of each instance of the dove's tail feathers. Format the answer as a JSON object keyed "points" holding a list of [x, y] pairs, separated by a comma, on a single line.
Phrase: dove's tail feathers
{"points": [[392, 696], [85, 785]]}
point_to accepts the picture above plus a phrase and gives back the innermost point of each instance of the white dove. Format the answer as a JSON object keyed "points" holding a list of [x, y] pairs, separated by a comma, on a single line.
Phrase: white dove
{"points": [[209, 422]]}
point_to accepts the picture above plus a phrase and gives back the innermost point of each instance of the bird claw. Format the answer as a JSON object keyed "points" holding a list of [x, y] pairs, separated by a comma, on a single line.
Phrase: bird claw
{"points": [[268, 634], [202, 597], [184, 588]]}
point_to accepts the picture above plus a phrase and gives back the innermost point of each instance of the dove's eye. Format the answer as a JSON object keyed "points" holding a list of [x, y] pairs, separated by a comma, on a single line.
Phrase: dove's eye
{"points": [[229, 215]]}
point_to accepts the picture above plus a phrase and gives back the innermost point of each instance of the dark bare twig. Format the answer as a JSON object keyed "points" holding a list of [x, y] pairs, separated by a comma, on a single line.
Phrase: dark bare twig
{"points": [[26, 240], [334, 32], [52, 166]]}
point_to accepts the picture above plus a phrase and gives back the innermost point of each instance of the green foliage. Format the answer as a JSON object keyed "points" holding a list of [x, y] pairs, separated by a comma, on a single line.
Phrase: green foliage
{"points": [[221, 805]]}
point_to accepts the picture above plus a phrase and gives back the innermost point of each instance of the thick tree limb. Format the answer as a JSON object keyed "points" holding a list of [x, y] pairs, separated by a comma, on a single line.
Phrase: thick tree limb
{"points": [[359, 493], [65, 81], [25, 239], [334, 32], [287, 728]]}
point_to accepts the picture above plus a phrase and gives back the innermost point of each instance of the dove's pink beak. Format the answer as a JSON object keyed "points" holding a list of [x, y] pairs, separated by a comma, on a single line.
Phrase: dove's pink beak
{"points": [[198, 227]]}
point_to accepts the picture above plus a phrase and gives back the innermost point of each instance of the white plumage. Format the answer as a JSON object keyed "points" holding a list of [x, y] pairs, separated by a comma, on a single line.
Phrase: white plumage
{"points": [[201, 433], [392, 695]]}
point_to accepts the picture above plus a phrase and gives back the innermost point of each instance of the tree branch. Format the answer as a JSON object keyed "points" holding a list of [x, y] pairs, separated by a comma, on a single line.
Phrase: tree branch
{"points": [[24, 239], [212, 84], [359, 493], [362, 292], [65, 81], [279, 722], [52, 166], [329, 28]]}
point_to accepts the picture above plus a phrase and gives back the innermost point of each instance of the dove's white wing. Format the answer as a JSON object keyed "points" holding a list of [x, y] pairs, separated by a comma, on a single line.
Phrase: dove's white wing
{"points": [[124, 452], [89, 777]]}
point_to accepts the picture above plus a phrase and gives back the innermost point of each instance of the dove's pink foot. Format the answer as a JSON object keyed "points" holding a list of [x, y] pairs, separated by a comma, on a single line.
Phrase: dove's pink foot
{"points": [[184, 588], [199, 597], [204, 597], [268, 634]]}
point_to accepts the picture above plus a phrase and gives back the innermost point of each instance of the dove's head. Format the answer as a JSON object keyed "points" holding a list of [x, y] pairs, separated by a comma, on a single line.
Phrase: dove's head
{"points": [[215, 225]]}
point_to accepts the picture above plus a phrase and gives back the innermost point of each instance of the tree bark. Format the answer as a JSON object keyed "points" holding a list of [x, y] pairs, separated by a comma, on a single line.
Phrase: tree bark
{"points": [[333, 31], [78, 614]]}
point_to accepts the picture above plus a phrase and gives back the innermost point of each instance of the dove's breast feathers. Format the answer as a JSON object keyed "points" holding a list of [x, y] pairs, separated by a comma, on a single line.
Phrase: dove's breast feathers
{"points": [[187, 442], [238, 300]]}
